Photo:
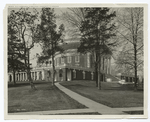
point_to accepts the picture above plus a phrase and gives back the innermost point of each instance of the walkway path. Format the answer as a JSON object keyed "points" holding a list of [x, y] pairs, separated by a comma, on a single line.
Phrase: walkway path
{"points": [[97, 107], [92, 106]]}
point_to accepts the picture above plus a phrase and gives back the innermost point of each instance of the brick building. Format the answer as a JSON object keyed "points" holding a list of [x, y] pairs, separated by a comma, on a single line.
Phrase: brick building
{"points": [[70, 65]]}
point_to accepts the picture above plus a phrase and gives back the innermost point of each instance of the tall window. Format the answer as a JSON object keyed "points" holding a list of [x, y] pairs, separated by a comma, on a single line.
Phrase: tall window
{"points": [[62, 60], [83, 75], [69, 59], [88, 60], [77, 59]]}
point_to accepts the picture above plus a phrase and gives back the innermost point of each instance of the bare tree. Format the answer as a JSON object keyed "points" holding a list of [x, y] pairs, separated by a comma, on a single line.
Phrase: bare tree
{"points": [[74, 18], [130, 21]]}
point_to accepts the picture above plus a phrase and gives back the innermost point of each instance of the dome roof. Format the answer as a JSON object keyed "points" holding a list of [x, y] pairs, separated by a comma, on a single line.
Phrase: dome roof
{"points": [[71, 45]]}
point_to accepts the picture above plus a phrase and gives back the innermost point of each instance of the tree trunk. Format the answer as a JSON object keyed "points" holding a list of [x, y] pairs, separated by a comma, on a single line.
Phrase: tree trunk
{"points": [[14, 77], [96, 75], [13, 68], [99, 76], [135, 68], [29, 72], [53, 80], [96, 70]]}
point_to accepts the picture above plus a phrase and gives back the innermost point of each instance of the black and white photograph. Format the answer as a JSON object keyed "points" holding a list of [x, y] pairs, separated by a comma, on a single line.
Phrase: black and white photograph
{"points": [[75, 60]]}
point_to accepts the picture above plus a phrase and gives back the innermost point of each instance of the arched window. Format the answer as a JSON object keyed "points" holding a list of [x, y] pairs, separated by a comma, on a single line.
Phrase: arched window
{"points": [[74, 73], [83, 75]]}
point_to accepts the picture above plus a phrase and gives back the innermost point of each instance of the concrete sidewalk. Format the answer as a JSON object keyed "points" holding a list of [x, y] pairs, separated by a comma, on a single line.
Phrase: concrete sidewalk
{"points": [[97, 107]]}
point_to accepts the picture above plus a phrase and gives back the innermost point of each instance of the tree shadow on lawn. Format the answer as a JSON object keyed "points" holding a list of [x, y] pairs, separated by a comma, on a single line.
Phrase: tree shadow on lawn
{"points": [[22, 84], [104, 86], [134, 112]]}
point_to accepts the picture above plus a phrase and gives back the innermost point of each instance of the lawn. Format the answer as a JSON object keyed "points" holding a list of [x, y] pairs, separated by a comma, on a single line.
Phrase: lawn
{"points": [[46, 97], [112, 94]]}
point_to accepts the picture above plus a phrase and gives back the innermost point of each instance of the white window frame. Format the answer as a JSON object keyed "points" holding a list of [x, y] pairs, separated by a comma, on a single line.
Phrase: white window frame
{"points": [[69, 59], [77, 58], [62, 60]]}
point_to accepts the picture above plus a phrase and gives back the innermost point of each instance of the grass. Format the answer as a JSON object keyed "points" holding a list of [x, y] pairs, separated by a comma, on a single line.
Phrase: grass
{"points": [[134, 112], [46, 97], [112, 94]]}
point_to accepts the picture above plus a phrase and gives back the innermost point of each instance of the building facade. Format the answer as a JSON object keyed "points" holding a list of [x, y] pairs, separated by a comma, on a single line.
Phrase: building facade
{"points": [[69, 66]]}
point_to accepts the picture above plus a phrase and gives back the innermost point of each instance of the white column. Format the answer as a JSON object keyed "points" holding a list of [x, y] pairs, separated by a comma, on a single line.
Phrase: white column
{"points": [[31, 75], [25, 77], [22, 76], [19, 76], [12, 79], [37, 75], [43, 75]]}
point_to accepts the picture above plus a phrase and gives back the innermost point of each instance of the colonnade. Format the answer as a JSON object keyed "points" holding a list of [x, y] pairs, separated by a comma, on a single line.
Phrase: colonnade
{"points": [[22, 76]]}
